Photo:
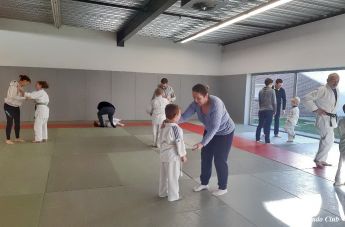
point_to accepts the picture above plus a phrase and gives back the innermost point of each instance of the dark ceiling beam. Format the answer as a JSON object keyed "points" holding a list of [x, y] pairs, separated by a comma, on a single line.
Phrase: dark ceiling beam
{"points": [[110, 4], [150, 11], [139, 9]]}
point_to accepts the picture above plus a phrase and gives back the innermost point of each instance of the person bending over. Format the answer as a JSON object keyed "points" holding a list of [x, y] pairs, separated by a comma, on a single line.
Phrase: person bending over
{"points": [[105, 108]]}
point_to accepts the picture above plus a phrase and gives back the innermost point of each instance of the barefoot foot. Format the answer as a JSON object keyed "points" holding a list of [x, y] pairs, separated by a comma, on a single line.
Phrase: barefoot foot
{"points": [[9, 142]]}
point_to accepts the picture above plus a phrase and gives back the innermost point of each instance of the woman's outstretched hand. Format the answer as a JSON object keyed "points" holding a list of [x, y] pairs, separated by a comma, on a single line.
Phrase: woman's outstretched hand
{"points": [[197, 146]]}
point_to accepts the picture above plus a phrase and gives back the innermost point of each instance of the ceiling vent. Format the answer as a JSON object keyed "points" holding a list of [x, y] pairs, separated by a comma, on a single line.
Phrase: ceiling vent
{"points": [[202, 5]]}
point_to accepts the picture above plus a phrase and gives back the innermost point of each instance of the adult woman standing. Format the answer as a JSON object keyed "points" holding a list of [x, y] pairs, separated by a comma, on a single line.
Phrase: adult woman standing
{"points": [[217, 139], [13, 101]]}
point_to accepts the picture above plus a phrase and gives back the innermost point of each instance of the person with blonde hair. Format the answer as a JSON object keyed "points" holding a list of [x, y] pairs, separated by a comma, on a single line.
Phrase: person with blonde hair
{"points": [[324, 102], [157, 113], [292, 119]]}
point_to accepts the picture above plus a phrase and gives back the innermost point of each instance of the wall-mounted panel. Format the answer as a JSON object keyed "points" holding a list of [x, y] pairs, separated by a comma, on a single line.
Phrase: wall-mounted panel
{"points": [[123, 94], [98, 88]]}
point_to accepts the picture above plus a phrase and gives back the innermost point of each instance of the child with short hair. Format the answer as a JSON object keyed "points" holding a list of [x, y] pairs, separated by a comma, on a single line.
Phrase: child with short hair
{"points": [[172, 153], [341, 127], [157, 113], [292, 119]]}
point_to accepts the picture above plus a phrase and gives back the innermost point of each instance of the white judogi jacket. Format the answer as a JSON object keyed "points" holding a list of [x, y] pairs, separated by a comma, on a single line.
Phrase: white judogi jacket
{"points": [[13, 97], [41, 99], [172, 146], [293, 115], [323, 98], [168, 93], [157, 110], [341, 127]]}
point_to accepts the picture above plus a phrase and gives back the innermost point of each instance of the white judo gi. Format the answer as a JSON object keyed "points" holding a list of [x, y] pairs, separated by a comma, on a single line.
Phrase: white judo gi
{"points": [[168, 93], [157, 112], [171, 150], [323, 98], [115, 122], [341, 126], [41, 99], [291, 122]]}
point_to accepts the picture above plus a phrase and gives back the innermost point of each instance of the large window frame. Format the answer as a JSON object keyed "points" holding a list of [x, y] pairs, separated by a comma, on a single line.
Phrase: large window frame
{"points": [[295, 73]]}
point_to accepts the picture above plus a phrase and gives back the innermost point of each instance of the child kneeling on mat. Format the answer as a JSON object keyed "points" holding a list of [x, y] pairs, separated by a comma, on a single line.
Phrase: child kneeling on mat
{"points": [[339, 180], [172, 153]]}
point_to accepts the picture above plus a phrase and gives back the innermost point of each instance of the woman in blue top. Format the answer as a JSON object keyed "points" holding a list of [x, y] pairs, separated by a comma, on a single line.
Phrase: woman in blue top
{"points": [[217, 139]]}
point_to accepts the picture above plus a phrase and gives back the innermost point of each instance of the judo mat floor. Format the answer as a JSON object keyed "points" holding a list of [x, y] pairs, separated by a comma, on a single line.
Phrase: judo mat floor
{"points": [[88, 177]]}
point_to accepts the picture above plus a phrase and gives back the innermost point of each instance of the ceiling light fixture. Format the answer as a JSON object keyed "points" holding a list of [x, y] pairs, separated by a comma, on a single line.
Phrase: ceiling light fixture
{"points": [[260, 9]]}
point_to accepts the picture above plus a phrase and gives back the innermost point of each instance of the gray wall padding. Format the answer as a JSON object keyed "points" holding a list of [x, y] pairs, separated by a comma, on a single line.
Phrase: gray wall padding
{"points": [[74, 94]]}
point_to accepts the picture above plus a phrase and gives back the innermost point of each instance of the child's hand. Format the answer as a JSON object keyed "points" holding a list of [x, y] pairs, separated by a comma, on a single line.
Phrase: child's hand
{"points": [[184, 159], [163, 123]]}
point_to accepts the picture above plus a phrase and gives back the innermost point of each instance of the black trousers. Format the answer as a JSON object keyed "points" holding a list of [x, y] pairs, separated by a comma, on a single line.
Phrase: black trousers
{"points": [[12, 115], [218, 149], [110, 111], [276, 123]]}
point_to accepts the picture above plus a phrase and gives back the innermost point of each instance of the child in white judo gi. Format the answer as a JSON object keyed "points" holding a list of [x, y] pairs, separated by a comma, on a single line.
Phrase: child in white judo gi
{"points": [[292, 119], [172, 153], [339, 180], [107, 123], [41, 99], [157, 113]]}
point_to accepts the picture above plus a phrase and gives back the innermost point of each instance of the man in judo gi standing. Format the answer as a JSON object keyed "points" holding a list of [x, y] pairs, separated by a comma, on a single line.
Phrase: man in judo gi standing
{"points": [[324, 102]]}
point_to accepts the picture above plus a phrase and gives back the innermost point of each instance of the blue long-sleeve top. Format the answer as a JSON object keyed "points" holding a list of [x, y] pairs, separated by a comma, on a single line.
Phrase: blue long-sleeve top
{"points": [[217, 121]]}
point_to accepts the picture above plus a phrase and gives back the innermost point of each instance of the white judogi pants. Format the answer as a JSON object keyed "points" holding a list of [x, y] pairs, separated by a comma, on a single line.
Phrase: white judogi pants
{"points": [[338, 176], [40, 128], [325, 144], [168, 182], [156, 129], [290, 130]]}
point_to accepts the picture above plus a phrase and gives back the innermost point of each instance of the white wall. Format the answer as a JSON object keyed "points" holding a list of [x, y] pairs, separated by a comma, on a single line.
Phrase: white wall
{"points": [[315, 45], [29, 44]]}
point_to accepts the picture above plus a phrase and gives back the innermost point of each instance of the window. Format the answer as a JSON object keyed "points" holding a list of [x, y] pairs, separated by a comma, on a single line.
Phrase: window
{"points": [[298, 84]]}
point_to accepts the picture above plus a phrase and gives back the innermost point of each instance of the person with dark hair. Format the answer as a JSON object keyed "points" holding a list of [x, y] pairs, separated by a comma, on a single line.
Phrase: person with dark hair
{"points": [[339, 179], [41, 99], [105, 108], [13, 101], [267, 109], [281, 104], [172, 153], [168, 91], [217, 138]]}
